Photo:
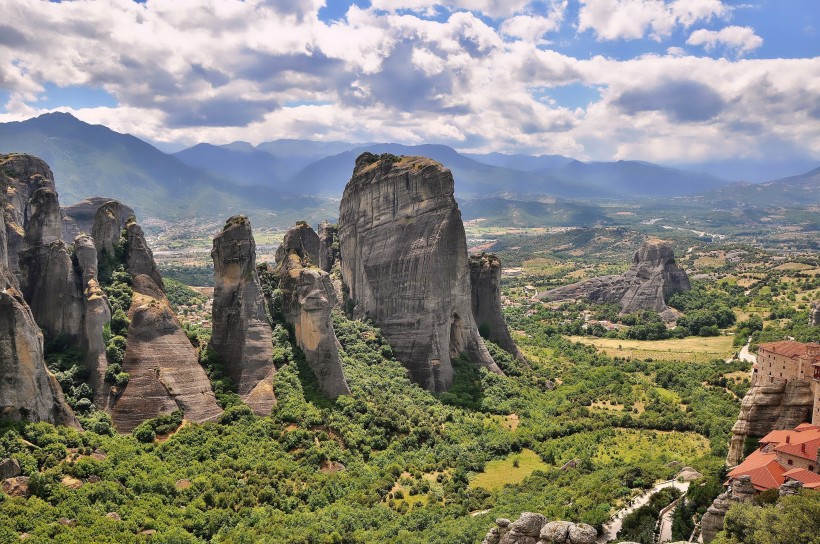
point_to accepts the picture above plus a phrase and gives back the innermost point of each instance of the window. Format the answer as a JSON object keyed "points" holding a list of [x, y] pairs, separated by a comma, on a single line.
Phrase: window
{"points": [[790, 462]]}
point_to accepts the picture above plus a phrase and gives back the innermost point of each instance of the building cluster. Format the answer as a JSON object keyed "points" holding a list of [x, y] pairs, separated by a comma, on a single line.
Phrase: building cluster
{"points": [[789, 360]]}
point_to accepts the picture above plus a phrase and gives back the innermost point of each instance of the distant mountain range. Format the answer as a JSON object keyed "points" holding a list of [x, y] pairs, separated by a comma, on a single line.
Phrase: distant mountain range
{"points": [[279, 180]]}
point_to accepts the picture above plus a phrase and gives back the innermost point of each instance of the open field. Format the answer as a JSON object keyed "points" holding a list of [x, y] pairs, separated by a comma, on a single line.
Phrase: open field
{"points": [[500, 472], [694, 348]]}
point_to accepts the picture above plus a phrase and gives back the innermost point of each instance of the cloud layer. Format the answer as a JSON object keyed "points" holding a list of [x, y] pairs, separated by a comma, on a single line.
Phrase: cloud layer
{"points": [[476, 74]]}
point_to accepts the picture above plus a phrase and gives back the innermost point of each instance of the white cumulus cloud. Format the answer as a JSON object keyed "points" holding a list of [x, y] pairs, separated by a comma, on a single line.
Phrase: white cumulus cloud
{"points": [[738, 39]]}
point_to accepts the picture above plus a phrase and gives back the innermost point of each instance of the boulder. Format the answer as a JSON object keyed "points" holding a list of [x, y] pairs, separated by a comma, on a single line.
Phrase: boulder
{"points": [[241, 331], [307, 300], [16, 487], [769, 406], [525, 529], [581, 533], [9, 468], [688, 474], [652, 277], [555, 532], [328, 245], [164, 372], [302, 238], [790, 487], [485, 284], [404, 261]]}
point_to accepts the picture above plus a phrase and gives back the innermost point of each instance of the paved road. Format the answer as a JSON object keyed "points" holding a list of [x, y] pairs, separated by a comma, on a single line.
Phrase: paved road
{"points": [[613, 526], [666, 526], [744, 355]]}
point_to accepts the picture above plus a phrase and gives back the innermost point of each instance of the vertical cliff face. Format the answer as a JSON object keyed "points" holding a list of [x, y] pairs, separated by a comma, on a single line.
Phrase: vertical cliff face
{"points": [[241, 332], [302, 238], [404, 260], [139, 259], [97, 314], [27, 389], [485, 283], [80, 217], [328, 245], [768, 407], [307, 300], [162, 364], [49, 281]]}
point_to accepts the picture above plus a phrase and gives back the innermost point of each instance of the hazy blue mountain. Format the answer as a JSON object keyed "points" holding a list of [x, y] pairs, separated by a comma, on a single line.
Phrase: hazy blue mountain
{"points": [[525, 163], [636, 178], [793, 191], [92, 160], [297, 154], [239, 162], [753, 170]]}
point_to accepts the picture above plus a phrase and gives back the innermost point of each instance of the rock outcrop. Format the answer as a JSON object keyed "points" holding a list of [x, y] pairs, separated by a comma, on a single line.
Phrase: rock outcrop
{"points": [[162, 364], [106, 229], [485, 282], [533, 528], [302, 238], [307, 300], [328, 245], [653, 276], [139, 259], [27, 389], [740, 490], [49, 281], [97, 314], [79, 218], [404, 261], [241, 331], [769, 406]]}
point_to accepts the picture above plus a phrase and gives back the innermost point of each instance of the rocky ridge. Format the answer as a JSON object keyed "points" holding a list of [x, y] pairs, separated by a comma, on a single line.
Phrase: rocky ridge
{"points": [[308, 298], [241, 332], [485, 284], [740, 490], [404, 261], [532, 528], [768, 407], [652, 277]]}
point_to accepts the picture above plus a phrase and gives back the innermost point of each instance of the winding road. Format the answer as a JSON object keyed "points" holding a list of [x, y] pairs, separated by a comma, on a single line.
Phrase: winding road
{"points": [[611, 528]]}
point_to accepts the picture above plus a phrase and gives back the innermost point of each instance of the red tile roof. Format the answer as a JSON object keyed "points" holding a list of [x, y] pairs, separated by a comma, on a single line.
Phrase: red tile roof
{"points": [[787, 348], [802, 475], [762, 468], [804, 449]]}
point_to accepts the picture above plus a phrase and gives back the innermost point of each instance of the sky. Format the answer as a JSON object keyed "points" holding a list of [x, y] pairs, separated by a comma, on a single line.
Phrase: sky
{"points": [[670, 81]]}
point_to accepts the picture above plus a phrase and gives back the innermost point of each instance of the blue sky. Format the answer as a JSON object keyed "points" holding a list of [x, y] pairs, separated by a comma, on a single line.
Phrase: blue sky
{"points": [[672, 81]]}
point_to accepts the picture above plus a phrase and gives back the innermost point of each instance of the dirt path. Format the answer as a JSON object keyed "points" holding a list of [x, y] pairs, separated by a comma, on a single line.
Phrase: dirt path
{"points": [[613, 526]]}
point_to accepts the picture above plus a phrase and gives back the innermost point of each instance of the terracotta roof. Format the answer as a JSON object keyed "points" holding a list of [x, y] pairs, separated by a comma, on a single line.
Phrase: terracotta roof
{"points": [[803, 475], [806, 449], [762, 468], [775, 437], [787, 348]]}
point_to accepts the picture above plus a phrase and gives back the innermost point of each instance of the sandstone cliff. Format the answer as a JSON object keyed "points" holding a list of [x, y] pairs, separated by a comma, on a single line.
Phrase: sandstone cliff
{"points": [[404, 260], [767, 407], [27, 388], [302, 238], [162, 364], [241, 331], [106, 229], [328, 245], [740, 490], [653, 276], [307, 300], [139, 259], [49, 281], [79, 218], [485, 283]]}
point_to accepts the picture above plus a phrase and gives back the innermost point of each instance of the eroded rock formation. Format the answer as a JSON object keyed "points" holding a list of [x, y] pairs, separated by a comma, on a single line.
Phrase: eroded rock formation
{"points": [[307, 300], [766, 407], [485, 281], [303, 238], [49, 281], [139, 259], [27, 389], [328, 245], [533, 528], [162, 364], [740, 490], [80, 217], [241, 331], [404, 260], [106, 229], [653, 276]]}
